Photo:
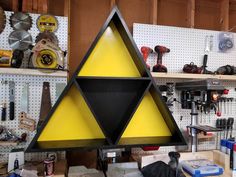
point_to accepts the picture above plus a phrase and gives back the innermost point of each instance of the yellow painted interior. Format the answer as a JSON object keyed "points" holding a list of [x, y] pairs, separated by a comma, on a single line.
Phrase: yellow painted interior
{"points": [[72, 120], [110, 57], [147, 121]]}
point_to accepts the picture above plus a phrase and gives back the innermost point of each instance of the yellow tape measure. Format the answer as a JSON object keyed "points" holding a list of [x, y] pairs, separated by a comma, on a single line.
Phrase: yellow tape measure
{"points": [[47, 23]]}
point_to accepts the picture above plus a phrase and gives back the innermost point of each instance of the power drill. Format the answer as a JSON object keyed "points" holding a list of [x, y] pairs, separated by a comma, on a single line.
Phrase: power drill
{"points": [[9, 58], [146, 51], [160, 50]]}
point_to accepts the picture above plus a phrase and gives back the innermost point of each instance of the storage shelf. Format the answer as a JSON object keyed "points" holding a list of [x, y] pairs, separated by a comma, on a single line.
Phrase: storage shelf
{"points": [[193, 76], [32, 72]]}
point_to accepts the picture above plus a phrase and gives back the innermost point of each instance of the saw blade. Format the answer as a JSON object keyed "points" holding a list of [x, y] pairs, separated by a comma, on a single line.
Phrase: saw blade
{"points": [[2, 20], [20, 21], [48, 36], [47, 23], [20, 39], [45, 59]]}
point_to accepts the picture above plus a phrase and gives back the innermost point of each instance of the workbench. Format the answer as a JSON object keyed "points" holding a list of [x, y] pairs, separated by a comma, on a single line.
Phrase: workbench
{"points": [[216, 156]]}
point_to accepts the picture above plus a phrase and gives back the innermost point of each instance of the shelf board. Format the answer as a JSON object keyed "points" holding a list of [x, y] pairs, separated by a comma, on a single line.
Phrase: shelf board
{"points": [[32, 72], [193, 76]]}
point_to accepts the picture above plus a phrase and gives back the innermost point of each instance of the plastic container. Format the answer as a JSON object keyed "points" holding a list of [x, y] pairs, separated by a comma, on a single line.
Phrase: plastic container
{"points": [[234, 157], [223, 145], [229, 146]]}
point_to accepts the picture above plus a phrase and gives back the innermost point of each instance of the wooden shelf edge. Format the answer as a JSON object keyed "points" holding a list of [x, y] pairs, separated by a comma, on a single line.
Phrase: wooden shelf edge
{"points": [[32, 72], [193, 76]]}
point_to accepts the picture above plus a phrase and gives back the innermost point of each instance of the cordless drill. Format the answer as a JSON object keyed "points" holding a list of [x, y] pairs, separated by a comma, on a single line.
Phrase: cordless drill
{"points": [[146, 51], [160, 50]]}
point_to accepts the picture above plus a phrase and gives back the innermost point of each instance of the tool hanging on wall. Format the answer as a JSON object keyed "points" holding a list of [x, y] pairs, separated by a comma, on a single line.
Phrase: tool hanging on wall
{"points": [[46, 54], [25, 122], [45, 103], [146, 51], [20, 21], [2, 20], [59, 89], [20, 39], [160, 50], [50, 36], [4, 104], [12, 99], [47, 23], [229, 125]]}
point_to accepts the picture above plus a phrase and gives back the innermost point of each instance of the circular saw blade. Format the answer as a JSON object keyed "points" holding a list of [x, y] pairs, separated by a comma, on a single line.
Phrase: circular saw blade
{"points": [[20, 21], [2, 20], [47, 23], [48, 36], [20, 39], [45, 59]]}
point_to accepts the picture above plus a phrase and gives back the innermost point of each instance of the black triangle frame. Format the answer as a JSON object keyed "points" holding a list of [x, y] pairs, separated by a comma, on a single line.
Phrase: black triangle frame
{"points": [[176, 139], [113, 134]]}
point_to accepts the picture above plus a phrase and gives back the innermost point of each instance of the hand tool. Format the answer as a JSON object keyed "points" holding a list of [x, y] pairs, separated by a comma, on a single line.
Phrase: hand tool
{"points": [[25, 122], [45, 103], [218, 125], [4, 105], [231, 104], [20, 21], [207, 50], [59, 88], [160, 50], [146, 51], [224, 126], [2, 20], [230, 122], [47, 23], [20, 39], [12, 99]]}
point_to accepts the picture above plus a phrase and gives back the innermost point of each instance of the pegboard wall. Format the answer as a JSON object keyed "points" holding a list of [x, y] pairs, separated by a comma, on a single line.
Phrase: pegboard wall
{"points": [[61, 33], [187, 45], [35, 87]]}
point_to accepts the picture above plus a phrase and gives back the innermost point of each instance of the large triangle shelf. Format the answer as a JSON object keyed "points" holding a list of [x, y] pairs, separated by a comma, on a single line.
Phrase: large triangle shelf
{"points": [[111, 100]]}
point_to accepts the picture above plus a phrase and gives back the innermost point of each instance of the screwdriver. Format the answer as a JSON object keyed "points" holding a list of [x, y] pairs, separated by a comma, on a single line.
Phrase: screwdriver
{"points": [[218, 125], [224, 126], [4, 105], [230, 123]]}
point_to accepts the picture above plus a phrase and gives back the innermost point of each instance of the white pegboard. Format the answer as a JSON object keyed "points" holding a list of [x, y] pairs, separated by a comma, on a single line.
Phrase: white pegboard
{"points": [[187, 45], [35, 86], [61, 33], [35, 92]]}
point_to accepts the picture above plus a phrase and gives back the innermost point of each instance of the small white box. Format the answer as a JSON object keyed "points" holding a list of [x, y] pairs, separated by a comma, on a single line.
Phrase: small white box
{"points": [[13, 155]]}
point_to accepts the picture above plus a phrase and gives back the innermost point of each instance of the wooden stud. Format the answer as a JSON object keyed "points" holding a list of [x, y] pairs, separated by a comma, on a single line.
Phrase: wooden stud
{"points": [[190, 13], [224, 15], [112, 3], [43, 7], [66, 7], [154, 12], [15, 5], [25, 5], [35, 6]]}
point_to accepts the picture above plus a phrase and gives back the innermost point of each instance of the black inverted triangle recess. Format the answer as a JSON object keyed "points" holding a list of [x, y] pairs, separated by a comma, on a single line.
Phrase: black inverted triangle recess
{"points": [[111, 100]]}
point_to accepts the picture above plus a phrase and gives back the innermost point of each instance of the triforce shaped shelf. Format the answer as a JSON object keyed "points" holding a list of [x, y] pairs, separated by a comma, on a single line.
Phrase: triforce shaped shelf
{"points": [[111, 100]]}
